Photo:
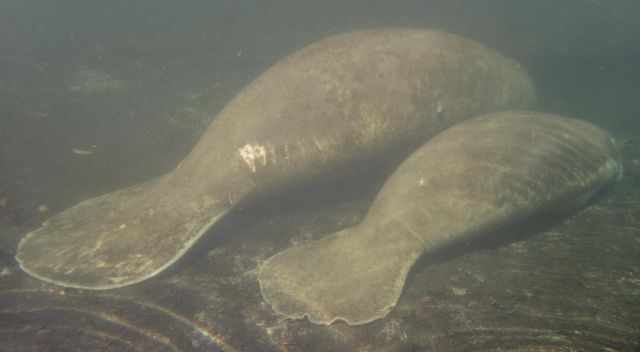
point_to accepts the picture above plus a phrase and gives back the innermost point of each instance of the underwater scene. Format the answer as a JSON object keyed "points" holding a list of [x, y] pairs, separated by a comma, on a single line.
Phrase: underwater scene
{"points": [[413, 175]]}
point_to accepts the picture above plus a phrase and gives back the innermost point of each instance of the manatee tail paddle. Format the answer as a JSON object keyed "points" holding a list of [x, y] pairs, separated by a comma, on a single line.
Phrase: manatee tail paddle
{"points": [[117, 239]]}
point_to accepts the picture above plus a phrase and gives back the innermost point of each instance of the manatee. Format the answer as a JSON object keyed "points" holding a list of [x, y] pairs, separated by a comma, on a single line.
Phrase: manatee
{"points": [[465, 184], [354, 101]]}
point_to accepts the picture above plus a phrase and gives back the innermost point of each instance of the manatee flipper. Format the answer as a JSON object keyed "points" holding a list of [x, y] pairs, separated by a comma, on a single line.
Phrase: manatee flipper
{"points": [[467, 182], [355, 101]]}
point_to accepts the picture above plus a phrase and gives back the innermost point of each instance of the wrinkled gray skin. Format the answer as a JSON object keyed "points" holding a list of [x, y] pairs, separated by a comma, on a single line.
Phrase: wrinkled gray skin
{"points": [[348, 102], [467, 182]]}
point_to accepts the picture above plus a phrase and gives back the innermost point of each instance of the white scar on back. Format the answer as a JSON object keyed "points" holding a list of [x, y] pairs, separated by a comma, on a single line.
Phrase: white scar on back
{"points": [[251, 154]]}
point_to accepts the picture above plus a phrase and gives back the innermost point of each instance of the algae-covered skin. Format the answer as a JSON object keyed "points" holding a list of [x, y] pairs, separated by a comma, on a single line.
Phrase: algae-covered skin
{"points": [[348, 104], [468, 182]]}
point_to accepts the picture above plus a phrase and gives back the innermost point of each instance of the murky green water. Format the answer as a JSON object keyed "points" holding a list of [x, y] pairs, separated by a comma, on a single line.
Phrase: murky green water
{"points": [[97, 96]]}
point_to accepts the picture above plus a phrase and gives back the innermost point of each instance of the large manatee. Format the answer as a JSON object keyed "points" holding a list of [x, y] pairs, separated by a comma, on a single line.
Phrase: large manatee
{"points": [[468, 182], [344, 103]]}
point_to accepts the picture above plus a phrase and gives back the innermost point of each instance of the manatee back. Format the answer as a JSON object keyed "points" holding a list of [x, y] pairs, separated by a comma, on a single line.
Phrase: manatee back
{"points": [[369, 96], [500, 166]]}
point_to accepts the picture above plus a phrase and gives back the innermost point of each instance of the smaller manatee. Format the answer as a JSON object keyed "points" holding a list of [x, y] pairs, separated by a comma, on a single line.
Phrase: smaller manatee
{"points": [[467, 182]]}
